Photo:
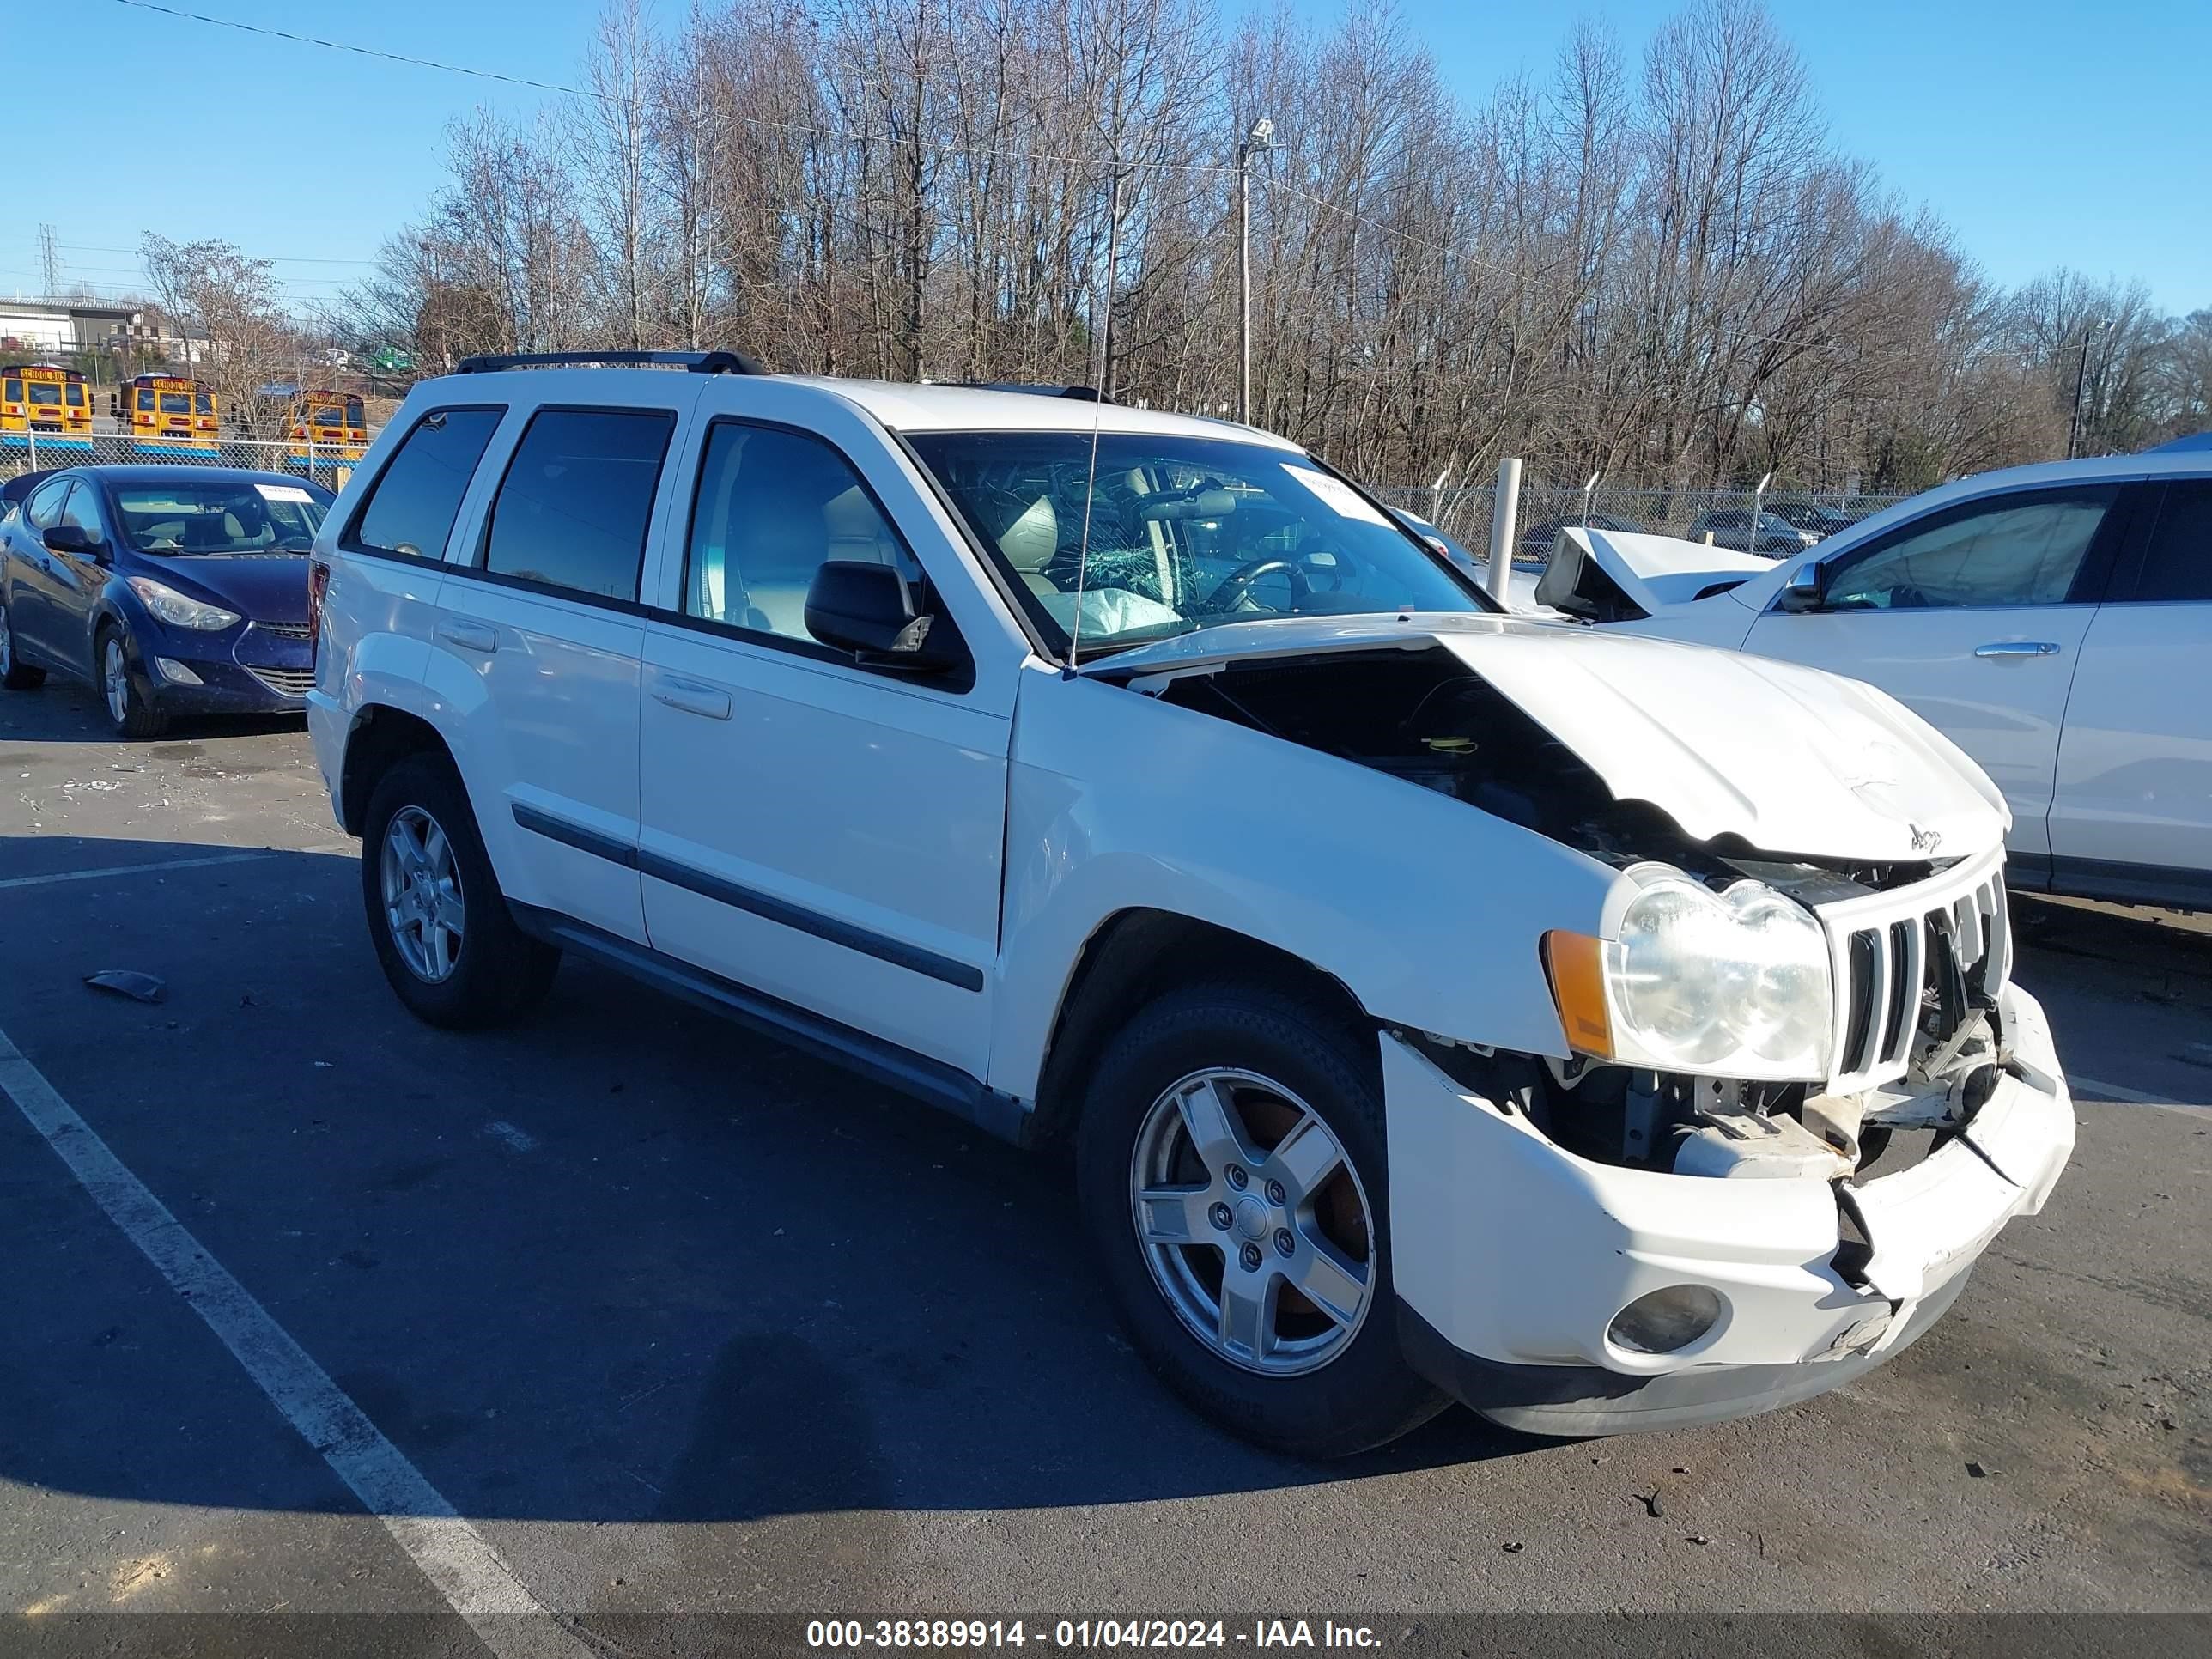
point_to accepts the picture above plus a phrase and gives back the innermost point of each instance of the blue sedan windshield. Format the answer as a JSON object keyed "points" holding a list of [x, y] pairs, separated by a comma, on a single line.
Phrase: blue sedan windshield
{"points": [[191, 517]]}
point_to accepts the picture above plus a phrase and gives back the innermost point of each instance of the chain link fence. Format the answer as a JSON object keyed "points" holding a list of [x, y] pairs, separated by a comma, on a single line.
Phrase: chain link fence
{"points": [[1786, 518], [1462, 511], [327, 464]]}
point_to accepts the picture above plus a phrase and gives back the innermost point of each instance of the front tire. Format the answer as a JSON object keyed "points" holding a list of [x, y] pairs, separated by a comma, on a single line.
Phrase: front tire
{"points": [[128, 711], [442, 930], [1233, 1177], [15, 674]]}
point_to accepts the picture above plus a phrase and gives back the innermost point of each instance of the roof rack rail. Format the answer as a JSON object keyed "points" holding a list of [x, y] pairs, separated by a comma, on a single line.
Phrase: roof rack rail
{"points": [[699, 362], [1086, 394]]}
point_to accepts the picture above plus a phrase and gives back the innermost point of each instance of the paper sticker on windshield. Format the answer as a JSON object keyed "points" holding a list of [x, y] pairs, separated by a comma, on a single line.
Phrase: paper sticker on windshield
{"points": [[1348, 502], [283, 493]]}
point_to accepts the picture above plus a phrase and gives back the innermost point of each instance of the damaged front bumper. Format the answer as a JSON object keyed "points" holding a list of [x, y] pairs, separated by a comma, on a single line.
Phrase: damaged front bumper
{"points": [[1512, 1257]]}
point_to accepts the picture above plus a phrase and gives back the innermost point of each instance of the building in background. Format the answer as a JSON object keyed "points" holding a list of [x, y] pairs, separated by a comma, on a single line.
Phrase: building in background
{"points": [[69, 325]]}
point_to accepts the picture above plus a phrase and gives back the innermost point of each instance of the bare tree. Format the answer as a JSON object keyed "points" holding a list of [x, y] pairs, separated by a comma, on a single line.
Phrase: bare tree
{"points": [[229, 312], [1664, 271]]}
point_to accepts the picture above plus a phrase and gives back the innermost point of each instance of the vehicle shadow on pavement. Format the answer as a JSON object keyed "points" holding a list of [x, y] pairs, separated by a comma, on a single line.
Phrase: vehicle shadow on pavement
{"points": [[623, 1261], [74, 714]]}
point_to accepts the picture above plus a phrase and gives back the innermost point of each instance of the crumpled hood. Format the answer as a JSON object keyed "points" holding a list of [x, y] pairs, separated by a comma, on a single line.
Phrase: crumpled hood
{"points": [[1794, 760], [266, 587]]}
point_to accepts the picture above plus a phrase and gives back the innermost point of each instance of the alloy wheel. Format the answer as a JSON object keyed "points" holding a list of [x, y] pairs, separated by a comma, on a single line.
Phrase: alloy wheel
{"points": [[420, 886], [115, 679], [1253, 1221], [7, 643]]}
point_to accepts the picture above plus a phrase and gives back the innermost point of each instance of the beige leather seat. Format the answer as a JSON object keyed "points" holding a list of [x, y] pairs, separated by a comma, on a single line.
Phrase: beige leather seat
{"points": [[1030, 543], [855, 530]]}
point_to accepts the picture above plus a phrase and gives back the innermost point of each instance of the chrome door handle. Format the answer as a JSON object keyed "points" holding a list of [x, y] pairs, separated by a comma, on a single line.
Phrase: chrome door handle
{"points": [[469, 636], [2018, 648], [693, 698]]}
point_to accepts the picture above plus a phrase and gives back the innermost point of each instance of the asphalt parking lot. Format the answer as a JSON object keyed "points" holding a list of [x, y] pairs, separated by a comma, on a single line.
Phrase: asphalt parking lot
{"points": [[687, 1325]]}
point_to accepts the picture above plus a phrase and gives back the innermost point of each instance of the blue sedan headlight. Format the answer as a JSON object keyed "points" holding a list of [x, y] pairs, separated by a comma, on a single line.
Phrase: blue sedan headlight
{"points": [[179, 612]]}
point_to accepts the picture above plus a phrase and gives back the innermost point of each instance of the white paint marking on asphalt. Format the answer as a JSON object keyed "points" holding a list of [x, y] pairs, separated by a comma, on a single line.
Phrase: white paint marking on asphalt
{"points": [[2089, 1089], [521, 1140], [132, 869], [453, 1554], [157, 865]]}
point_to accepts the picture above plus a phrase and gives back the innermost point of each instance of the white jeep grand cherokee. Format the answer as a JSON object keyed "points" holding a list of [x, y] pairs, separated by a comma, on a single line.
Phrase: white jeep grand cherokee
{"points": [[1605, 1032]]}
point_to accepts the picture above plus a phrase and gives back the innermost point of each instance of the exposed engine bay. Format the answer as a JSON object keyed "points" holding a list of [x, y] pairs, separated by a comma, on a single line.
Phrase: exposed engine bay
{"points": [[1422, 716]]}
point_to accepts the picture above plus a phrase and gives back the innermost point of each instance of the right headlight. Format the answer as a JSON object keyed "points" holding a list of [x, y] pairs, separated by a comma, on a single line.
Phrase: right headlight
{"points": [[1734, 984], [179, 609]]}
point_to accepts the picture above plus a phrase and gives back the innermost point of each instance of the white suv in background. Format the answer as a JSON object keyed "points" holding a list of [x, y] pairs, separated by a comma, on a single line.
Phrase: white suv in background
{"points": [[1438, 1004], [2055, 622]]}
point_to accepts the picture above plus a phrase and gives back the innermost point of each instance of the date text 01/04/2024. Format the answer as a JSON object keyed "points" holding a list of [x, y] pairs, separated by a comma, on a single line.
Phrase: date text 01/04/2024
{"points": [[1084, 1634]]}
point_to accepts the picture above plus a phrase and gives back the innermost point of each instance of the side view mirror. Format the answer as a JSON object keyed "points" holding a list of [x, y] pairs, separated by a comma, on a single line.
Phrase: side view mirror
{"points": [[868, 610], [1806, 589], [72, 538]]}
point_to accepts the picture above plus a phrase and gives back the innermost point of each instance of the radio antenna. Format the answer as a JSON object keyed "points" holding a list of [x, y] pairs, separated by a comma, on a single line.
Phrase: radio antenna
{"points": [[1097, 405]]}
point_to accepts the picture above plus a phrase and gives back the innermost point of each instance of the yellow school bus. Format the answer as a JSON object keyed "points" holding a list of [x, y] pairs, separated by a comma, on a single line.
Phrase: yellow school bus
{"points": [[166, 412], [47, 399], [335, 423]]}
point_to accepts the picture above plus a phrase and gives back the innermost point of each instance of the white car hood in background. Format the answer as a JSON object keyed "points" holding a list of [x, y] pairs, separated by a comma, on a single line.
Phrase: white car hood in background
{"points": [[1652, 571], [1793, 760]]}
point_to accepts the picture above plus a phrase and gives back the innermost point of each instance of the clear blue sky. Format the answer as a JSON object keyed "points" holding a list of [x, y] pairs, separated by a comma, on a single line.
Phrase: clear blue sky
{"points": [[2045, 133]]}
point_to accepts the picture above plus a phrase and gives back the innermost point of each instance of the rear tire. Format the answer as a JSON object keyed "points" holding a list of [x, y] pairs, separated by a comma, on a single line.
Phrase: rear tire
{"points": [[443, 933], [1325, 1377], [128, 711], [15, 674]]}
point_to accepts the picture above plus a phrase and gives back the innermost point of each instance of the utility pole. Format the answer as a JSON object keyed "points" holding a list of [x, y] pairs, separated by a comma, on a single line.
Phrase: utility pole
{"points": [[1262, 136], [1104, 383], [2090, 331]]}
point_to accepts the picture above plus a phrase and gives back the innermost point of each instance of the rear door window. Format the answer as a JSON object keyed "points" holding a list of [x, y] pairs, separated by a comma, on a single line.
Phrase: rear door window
{"points": [[2178, 564], [573, 509], [410, 510]]}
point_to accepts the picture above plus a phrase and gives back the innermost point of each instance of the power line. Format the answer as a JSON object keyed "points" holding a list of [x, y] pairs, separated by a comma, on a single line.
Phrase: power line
{"points": [[268, 259], [363, 51]]}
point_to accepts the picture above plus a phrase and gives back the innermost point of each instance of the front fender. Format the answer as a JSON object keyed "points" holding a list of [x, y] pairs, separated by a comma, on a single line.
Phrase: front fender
{"points": [[1429, 911]]}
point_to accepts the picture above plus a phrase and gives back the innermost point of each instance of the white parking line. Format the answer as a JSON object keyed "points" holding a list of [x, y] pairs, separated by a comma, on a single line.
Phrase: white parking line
{"points": [[453, 1554], [106, 871], [132, 869], [2089, 1089]]}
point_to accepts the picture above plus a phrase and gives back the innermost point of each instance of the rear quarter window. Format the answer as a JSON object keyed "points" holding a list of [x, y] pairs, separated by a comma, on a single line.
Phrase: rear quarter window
{"points": [[410, 508], [2178, 564], [577, 500]]}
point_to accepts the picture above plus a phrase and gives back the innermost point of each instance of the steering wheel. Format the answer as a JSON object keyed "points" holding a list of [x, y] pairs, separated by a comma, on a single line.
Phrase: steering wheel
{"points": [[1238, 584]]}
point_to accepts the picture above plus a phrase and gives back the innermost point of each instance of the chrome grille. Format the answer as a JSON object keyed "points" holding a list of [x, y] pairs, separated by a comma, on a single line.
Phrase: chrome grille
{"points": [[1885, 950], [285, 681], [285, 630]]}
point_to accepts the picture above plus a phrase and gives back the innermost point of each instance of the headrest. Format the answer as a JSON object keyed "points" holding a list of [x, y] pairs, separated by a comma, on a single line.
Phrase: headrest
{"points": [[1031, 540]]}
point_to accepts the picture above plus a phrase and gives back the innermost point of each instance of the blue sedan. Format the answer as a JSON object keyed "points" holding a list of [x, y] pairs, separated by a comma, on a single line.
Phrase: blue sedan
{"points": [[171, 589]]}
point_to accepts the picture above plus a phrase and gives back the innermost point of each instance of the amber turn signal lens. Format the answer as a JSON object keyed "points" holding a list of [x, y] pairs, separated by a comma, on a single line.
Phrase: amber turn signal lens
{"points": [[1576, 965]]}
